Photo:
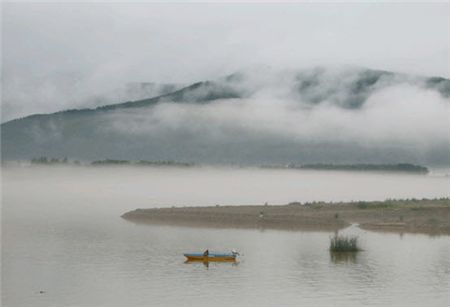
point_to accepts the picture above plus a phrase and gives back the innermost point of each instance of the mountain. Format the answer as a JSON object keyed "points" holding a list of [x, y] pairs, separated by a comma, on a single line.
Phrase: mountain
{"points": [[66, 89], [143, 90], [330, 115]]}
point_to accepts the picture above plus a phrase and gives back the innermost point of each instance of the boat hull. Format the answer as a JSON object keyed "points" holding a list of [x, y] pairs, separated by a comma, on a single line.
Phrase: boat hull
{"points": [[210, 258]]}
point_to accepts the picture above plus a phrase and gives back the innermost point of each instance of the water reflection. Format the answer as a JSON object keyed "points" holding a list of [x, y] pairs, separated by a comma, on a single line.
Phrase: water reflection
{"points": [[206, 264], [344, 257]]}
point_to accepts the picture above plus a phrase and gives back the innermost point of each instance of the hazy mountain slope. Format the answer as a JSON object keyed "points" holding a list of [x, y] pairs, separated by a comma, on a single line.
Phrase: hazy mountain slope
{"points": [[256, 117], [61, 90]]}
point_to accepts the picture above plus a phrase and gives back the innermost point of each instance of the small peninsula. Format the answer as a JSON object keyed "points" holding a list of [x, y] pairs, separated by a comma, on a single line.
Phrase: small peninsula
{"points": [[429, 216]]}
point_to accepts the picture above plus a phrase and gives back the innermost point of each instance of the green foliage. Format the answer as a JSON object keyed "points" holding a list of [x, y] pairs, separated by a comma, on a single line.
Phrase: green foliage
{"points": [[374, 205], [142, 162], [110, 162], [344, 244], [400, 167], [165, 163], [55, 161], [362, 205], [418, 208], [49, 161], [433, 221]]}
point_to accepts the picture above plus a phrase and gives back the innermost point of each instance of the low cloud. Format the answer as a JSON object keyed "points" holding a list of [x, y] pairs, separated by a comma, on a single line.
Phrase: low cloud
{"points": [[256, 117], [73, 55], [402, 115]]}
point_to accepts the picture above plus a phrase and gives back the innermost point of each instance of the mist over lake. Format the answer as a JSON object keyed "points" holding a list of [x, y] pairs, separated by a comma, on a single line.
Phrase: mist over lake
{"points": [[117, 189], [62, 234]]}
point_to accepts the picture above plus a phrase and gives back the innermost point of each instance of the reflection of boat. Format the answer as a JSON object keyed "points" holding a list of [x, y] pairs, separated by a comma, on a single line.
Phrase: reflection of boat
{"points": [[206, 257]]}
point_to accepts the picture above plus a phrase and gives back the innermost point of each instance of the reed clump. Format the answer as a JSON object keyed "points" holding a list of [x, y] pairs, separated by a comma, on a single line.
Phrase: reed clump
{"points": [[344, 244]]}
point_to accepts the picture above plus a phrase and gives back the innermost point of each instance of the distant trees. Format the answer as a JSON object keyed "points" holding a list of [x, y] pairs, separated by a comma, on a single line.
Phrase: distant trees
{"points": [[55, 161], [45, 160], [142, 162], [110, 162], [399, 167]]}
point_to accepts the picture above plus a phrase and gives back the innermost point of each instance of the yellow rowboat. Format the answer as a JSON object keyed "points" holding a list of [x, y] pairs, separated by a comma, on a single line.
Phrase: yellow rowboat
{"points": [[210, 257]]}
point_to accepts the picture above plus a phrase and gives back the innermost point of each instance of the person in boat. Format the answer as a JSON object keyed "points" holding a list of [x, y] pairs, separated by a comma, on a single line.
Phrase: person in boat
{"points": [[206, 253]]}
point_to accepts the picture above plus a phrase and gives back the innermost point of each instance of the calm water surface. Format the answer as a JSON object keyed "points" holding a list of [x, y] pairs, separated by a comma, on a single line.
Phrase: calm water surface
{"points": [[62, 234]]}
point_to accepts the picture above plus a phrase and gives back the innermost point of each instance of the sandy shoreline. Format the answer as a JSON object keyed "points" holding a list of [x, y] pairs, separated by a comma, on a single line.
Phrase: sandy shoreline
{"points": [[409, 216]]}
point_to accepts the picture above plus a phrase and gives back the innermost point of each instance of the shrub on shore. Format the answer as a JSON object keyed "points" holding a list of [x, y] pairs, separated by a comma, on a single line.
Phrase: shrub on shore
{"points": [[344, 244]]}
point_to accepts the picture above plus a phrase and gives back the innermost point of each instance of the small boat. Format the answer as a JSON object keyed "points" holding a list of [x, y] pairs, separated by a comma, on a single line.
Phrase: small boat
{"points": [[207, 257]]}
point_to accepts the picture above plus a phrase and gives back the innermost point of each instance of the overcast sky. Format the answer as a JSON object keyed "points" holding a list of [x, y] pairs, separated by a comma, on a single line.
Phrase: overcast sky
{"points": [[58, 56]]}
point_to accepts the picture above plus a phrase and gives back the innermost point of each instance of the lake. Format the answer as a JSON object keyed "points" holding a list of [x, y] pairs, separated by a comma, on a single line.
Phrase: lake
{"points": [[62, 234]]}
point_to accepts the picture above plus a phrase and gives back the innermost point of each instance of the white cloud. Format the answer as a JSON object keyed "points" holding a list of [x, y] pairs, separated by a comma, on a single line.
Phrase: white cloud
{"points": [[402, 115], [107, 45]]}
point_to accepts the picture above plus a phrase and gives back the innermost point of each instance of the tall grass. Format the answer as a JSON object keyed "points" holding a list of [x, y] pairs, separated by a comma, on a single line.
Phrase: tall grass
{"points": [[344, 244]]}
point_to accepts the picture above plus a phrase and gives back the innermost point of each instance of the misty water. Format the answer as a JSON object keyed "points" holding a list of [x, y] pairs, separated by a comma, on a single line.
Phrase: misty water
{"points": [[62, 234]]}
